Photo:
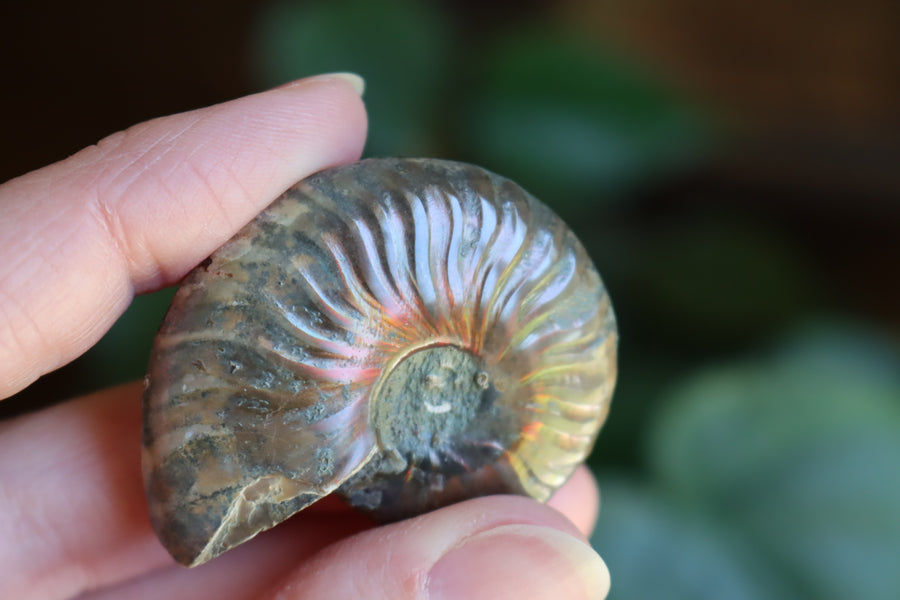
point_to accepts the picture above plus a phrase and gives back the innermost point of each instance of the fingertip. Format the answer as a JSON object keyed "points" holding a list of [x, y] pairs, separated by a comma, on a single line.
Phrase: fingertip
{"points": [[342, 113], [356, 82], [579, 500], [138, 210], [226, 166], [520, 561], [506, 543]]}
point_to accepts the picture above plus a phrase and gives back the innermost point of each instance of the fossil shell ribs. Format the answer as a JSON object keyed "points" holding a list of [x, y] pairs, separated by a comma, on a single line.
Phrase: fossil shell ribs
{"points": [[271, 375]]}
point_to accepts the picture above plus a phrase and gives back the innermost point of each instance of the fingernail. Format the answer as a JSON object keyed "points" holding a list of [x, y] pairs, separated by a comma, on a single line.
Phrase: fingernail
{"points": [[519, 561], [356, 82]]}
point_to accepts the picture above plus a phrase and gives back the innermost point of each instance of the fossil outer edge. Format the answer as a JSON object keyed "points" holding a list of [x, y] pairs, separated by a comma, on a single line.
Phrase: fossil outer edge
{"points": [[410, 332]]}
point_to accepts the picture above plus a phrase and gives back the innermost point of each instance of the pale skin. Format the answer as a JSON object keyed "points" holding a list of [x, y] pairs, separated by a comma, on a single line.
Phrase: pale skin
{"points": [[135, 213]]}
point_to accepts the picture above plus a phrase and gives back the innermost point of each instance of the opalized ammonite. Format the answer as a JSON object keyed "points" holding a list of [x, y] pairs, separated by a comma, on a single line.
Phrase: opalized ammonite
{"points": [[408, 333]]}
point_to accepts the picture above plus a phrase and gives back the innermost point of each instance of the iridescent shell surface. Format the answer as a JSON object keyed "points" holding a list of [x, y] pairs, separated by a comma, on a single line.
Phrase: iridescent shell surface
{"points": [[409, 333]]}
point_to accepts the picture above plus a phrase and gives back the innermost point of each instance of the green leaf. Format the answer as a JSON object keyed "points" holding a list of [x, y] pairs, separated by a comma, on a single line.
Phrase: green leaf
{"points": [[657, 549], [399, 46], [799, 453], [720, 280], [570, 121]]}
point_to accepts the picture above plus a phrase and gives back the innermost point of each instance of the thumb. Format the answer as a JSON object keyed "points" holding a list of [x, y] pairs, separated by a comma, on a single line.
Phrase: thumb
{"points": [[493, 548]]}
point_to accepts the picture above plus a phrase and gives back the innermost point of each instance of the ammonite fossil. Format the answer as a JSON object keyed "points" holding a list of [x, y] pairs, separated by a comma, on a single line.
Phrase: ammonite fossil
{"points": [[408, 333]]}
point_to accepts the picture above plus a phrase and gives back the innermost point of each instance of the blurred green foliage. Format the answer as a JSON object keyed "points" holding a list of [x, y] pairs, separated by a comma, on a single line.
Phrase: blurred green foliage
{"points": [[399, 46], [736, 277], [773, 477], [570, 120], [727, 472]]}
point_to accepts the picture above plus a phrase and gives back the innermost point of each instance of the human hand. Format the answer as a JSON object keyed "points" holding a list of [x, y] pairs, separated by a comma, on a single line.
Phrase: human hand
{"points": [[132, 214]]}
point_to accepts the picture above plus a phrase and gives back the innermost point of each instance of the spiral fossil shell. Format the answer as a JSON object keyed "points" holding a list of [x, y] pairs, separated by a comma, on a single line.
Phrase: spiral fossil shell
{"points": [[408, 333]]}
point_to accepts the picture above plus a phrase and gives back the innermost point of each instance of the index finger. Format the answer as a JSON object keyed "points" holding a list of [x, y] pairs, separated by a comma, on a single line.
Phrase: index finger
{"points": [[139, 209]]}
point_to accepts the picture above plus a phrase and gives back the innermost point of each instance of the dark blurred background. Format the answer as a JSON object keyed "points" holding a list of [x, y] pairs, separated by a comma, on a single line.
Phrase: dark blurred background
{"points": [[733, 167]]}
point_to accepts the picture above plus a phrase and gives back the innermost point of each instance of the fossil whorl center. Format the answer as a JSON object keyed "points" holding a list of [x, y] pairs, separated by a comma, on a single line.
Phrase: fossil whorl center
{"points": [[407, 333], [435, 418]]}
